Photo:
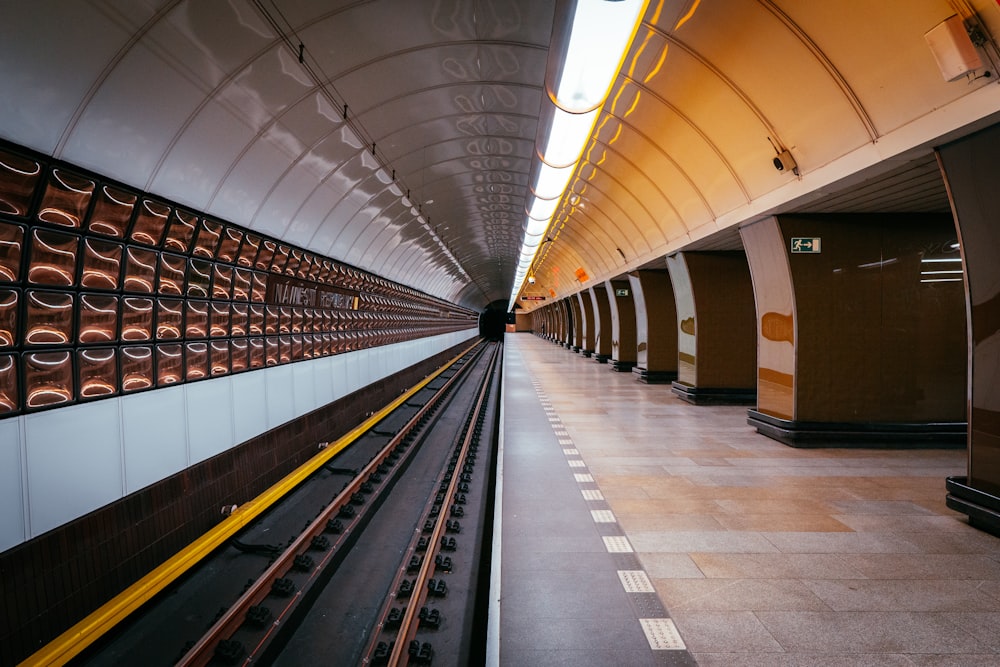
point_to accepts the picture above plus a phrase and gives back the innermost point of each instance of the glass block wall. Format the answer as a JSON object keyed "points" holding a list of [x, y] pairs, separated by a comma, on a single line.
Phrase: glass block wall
{"points": [[105, 290]]}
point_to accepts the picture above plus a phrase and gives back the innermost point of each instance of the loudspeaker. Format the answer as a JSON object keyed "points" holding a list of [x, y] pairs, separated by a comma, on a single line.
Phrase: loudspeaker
{"points": [[954, 52]]}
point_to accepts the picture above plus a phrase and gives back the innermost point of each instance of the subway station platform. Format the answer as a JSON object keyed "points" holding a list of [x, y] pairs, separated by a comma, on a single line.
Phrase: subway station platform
{"points": [[635, 528]]}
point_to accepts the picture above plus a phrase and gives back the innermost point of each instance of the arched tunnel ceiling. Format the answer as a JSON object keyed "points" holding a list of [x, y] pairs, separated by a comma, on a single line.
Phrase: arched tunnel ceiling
{"points": [[236, 108]]}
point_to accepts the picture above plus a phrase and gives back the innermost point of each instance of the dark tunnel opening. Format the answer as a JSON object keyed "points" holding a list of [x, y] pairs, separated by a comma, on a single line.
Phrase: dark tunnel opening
{"points": [[493, 321]]}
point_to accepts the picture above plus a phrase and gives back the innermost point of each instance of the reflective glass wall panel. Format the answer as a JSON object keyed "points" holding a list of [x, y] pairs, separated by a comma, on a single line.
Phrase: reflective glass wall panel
{"points": [[106, 291]]}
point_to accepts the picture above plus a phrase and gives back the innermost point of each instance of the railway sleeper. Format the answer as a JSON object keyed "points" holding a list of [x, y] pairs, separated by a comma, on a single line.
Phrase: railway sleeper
{"points": [[303, 563], [382, 652], [394, 618], [442, 563], [437, 588], [414, 564], [420, 652], [229, 651], [259, 616], [430, 618]]}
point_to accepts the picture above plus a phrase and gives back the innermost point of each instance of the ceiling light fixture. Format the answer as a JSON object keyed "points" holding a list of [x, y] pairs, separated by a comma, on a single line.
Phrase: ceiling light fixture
{"points": [[584, 59]]}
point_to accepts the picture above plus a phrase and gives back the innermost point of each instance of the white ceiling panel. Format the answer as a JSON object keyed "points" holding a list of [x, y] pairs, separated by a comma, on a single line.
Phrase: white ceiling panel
{"points": [[244, 193], [210, 104], [201, 158], [46, 74], [129, 125]]}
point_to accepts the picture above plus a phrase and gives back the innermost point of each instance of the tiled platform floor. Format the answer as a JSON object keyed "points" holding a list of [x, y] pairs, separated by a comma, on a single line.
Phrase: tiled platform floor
{"points": [[760, 553]]}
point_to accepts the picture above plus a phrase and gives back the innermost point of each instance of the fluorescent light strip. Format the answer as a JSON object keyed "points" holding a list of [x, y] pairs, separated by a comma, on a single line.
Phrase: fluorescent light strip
{"points": [[599, 39]]}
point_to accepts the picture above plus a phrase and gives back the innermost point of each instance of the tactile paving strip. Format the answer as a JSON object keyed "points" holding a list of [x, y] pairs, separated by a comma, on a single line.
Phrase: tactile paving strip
{"points": [[617, 544], [603, 516], [661, 633], [635, 581], [659, 629]]}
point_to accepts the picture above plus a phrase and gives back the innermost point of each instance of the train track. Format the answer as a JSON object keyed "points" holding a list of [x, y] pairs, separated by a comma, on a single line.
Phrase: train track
{"points": [[391, 560]]}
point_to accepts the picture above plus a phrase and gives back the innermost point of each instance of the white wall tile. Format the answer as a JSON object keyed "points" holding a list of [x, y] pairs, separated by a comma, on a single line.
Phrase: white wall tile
{"points": [[352, 372], [249, 405], [322, 382], [74, 460], [304, 377], [155, 437], [338, 373], [210, 418], [12, 530], [280, 395]]}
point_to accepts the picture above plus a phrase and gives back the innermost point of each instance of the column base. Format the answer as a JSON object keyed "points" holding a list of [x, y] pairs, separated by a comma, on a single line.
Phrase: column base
{"points": [[576, 348], [714, 395], [602, 358], [983, 509], [621, 366], [654, 377], [849, 434], [587, 353]]}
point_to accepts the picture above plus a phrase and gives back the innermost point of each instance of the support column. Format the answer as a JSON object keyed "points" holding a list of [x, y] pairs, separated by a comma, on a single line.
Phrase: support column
{"points": [[971, 173], [566, 339], [602, 317], [716, 358], [589, 325], [656, 327], [577, 340], [621, 302], [563, 322], [860, 343]]}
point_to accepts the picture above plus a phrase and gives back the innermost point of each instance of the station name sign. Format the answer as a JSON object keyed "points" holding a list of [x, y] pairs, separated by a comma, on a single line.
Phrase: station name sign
{"points": [[532, 298], [284, 291]]}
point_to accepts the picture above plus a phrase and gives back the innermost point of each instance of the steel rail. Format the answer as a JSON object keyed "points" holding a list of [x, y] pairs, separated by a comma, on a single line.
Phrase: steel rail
{"points": [[410, 623], [203, 650]]}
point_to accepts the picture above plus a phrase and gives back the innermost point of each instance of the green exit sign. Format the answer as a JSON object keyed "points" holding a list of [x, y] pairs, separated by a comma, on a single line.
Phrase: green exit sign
{"points": [[803, 244]]}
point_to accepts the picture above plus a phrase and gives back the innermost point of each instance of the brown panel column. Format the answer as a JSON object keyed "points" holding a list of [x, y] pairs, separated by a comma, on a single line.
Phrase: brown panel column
{"points": [[566, 336], [602, 317], [656, 327], [570, 322], [716, 343], [861, 342], [589, 326], [542, 328], [971, 173], [577, 340], [622, 305]]}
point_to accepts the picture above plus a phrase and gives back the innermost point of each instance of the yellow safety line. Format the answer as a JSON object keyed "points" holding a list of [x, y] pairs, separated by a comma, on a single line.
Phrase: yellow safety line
{"points": [[63, 648]]}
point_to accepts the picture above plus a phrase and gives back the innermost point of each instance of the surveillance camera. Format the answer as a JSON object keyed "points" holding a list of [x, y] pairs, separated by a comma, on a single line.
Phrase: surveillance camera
{"points": [[783, 161], [531, 280]]}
